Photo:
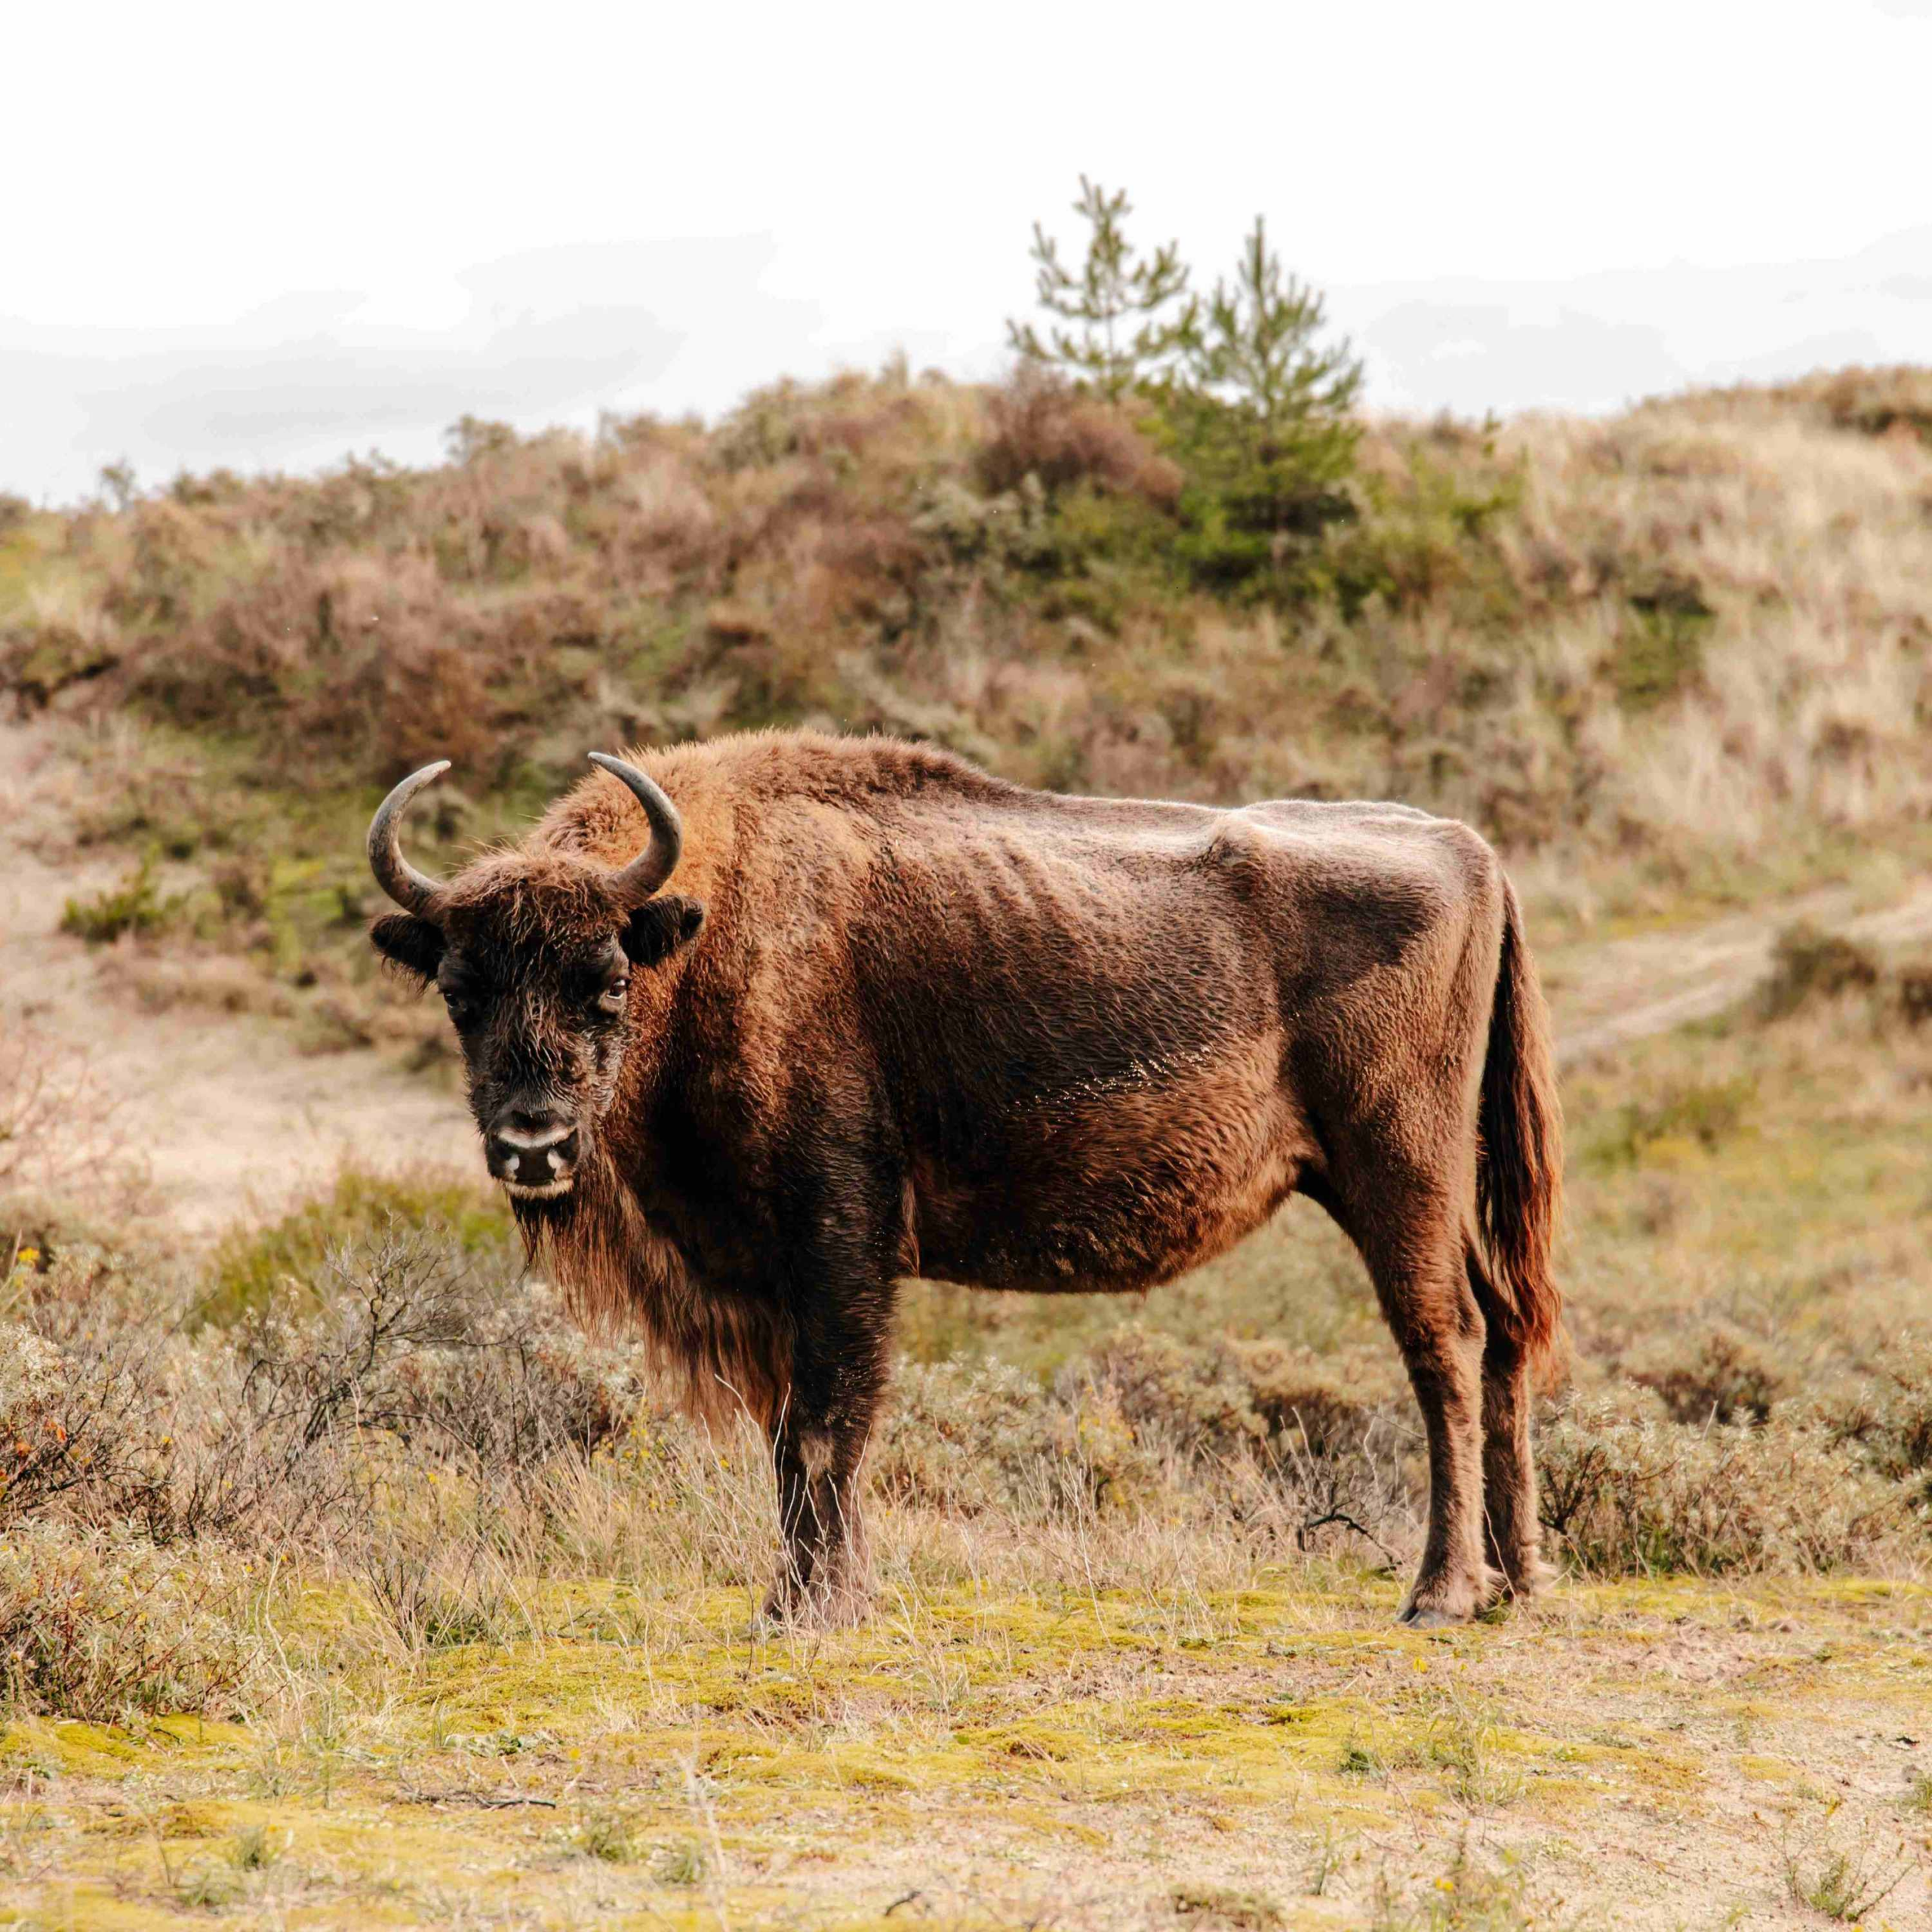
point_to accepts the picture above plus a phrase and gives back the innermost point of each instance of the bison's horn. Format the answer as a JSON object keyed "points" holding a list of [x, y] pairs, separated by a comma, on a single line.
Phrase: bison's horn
{"points": [[658, 860], [414, 891]]}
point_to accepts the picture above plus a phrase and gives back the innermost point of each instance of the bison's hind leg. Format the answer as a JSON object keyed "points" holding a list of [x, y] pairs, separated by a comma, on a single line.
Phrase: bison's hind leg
{"points": [[1410, 1235], [1511, 1532]]}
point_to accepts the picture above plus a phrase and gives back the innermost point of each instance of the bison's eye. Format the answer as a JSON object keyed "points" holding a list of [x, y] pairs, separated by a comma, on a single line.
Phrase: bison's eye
{"points": [[612, 997], [461, 1004]]}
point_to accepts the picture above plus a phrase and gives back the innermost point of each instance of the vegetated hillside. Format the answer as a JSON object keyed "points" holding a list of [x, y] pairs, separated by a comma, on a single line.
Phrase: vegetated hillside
{"points": [[1694, 639]]}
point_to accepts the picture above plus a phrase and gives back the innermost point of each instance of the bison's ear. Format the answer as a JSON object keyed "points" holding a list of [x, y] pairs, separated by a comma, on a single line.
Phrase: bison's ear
{"points": [[414, 944], [659, 927]]}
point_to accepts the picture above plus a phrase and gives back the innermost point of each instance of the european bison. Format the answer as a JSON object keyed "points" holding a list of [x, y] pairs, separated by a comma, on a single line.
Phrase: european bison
{"points": [[899, 1018]]}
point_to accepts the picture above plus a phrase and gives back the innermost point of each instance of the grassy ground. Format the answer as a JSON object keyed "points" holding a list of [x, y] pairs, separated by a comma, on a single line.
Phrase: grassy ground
{"points": [[994, 1752]]}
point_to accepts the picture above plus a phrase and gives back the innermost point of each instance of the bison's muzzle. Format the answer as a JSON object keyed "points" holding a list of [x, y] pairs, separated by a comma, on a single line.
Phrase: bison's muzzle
{"points": [[533, 1155]]}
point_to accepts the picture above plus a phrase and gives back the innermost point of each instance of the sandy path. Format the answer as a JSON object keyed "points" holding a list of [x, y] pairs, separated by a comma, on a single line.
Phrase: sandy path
{"points": [[1609, 994], [221, 1115], [210, 1115]]}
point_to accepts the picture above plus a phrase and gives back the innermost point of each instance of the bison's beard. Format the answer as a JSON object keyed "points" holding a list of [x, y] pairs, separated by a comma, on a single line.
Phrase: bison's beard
{"points": [[537, 1215]]}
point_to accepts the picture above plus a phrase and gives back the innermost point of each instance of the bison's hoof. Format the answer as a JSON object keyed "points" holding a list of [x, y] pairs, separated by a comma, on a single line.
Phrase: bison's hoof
{"points": [[794, 1607], [1443, 1599], [1528, 1577]]}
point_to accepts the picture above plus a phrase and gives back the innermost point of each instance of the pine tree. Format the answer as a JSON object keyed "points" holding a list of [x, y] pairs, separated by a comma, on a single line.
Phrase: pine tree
{"points": [[1114, 293], [1245, 397], [1253, 347], [1258, 411]]}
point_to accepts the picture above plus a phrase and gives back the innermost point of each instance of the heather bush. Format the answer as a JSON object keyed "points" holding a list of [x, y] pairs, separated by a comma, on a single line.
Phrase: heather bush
{"points": [[1875, 402], [1038, 427], [100, 1624], [1634, 1494], [1890, 1417], [1616, 641]]}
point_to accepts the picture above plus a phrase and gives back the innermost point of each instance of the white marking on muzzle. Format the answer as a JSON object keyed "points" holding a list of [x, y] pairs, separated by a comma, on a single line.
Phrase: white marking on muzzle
{"points": [[529, 1144], [549, 1191]]}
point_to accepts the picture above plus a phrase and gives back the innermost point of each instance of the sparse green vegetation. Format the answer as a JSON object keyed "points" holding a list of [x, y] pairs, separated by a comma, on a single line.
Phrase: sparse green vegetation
{"points": [[135, 906], [1847, 1886], [1468, 1897]]}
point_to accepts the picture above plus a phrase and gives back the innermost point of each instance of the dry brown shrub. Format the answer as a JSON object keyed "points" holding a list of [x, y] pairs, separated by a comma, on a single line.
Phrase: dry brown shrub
{"points": [[1041, 427], [1915, 993], [1809, 965], [1878, 402], [114, 1416], [671, 517], [97, 1624], [426, 701], [1726, 1377], [59, 1132]]}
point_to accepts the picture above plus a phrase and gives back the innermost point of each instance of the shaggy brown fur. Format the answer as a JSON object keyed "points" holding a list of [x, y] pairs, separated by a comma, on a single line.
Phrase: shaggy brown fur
{"points": [[934, 1024]]}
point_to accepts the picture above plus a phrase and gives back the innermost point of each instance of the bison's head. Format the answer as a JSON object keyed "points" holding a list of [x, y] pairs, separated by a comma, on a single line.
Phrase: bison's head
{"points": [[534, 954]]}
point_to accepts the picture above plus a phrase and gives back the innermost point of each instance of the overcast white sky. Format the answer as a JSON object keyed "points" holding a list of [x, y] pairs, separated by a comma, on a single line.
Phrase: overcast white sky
{"points": [[265, 236]]}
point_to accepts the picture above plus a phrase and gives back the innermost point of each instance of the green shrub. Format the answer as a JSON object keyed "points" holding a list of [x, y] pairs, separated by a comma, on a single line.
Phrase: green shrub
{"points": [[610, 1837], [1660, 650], [135, 906], [1890, 1418], [968, 1440], [1133, 1419], [1632, 1495], [284, 1264]]}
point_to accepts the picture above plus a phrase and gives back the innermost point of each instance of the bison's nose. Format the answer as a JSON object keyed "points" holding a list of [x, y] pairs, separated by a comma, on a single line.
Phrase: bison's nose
{"points": [[532, 1151]]}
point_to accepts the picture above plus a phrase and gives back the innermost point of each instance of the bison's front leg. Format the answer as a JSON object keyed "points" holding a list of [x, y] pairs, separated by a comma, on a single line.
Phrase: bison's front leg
{"points": [[818, 1446]]}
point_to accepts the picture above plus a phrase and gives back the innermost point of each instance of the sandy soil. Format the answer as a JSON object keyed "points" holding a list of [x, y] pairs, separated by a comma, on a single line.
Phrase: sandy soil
{"points": [[208, 1114]]}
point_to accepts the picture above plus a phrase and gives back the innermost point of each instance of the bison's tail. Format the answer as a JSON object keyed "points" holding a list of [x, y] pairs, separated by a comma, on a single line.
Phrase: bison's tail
{"points": [[1519, 1159]]}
